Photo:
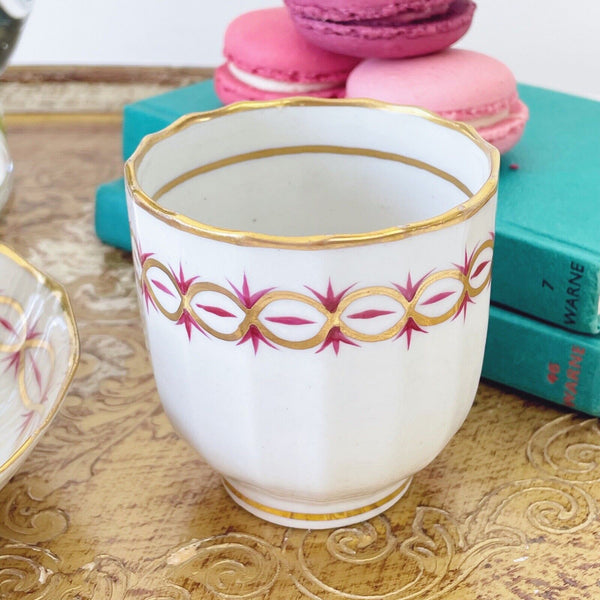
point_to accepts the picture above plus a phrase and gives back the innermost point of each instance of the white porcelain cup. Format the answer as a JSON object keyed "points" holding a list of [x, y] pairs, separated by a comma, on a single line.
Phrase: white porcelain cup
{"points": [[314, 283]]}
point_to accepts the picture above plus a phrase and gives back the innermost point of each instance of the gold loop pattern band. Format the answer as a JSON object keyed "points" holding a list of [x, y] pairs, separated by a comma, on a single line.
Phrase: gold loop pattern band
{"points": [[415, 304]]}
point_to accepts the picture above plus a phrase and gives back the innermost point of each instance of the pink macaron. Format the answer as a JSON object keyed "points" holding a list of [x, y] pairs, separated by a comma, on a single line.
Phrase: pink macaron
{"points": [[457, 84], [268, 59], [382, 28]]}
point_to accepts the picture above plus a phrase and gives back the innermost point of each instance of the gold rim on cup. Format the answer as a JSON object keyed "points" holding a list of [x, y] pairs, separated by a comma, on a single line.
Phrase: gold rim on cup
{"points": [[474, 202]]}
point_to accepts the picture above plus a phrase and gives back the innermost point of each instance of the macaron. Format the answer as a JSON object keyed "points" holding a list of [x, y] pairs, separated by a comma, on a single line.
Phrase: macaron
{"points": [[459, 85], [268, 59], [382, 28]]}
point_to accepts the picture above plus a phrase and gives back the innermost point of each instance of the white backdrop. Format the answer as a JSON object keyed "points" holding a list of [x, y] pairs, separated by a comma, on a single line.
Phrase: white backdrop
{"points": [[550, 43]]}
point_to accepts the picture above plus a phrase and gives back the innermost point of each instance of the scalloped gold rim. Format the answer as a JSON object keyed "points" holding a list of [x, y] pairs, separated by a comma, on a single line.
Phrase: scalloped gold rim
{"points": [[60, 293], [457, 214]]}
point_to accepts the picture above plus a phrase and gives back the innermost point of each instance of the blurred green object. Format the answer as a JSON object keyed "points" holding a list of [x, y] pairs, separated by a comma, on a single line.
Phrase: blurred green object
{"points": [[13, 14], [12, 18]]}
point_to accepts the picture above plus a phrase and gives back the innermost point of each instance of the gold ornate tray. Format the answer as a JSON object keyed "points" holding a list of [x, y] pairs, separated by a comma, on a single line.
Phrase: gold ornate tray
{"points": [[112, 505]]}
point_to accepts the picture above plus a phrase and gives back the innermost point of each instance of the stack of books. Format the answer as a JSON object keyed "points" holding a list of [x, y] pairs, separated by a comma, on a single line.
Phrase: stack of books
{"points": [[544, 332], [545, 320]]}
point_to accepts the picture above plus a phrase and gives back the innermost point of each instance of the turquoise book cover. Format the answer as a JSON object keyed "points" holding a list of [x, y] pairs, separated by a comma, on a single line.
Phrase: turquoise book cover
{"points": [[140, 119], [150, 115], [546, 361], [110, 216], [547, 251]]}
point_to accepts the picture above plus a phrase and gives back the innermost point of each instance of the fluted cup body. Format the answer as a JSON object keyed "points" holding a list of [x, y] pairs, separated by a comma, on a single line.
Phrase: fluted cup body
{"points": [[314, 285]]}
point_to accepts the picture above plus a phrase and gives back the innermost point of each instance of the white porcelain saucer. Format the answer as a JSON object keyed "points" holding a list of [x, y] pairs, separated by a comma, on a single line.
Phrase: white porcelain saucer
{"points": [[39, 352]]}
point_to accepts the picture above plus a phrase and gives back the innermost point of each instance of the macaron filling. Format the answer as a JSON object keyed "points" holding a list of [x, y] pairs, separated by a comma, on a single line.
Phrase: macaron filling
{"points": [[266, 84], [398, 19], [487, 120], [390, 26], [503, 127], [488, 115], [346, 11]]}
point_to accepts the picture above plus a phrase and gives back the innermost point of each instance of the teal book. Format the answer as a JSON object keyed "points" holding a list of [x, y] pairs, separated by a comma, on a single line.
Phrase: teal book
{"points": [[140, 119], [547, 361], [154, 114], [547, 249], [110, 216]]}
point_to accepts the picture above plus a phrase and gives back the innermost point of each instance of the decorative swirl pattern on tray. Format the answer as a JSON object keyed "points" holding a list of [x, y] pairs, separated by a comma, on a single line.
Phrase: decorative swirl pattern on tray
{"points": [[568, 448], [362, 543], [27, 519], [231, 566], [442, 550]]}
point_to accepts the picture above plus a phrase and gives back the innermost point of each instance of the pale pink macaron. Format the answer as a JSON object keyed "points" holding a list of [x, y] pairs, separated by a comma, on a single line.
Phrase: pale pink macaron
{"points": [[268, 59], [382, 28], [460, 85]]}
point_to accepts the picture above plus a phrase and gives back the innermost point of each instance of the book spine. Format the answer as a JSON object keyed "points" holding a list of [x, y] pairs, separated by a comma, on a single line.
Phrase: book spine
{"points": [[155, 113], [110, 217], [139, 120], [546, 279], [546, 361]]}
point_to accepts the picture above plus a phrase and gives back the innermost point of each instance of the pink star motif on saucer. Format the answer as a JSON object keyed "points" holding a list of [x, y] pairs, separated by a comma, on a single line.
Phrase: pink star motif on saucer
{"points": [[15, 359]]}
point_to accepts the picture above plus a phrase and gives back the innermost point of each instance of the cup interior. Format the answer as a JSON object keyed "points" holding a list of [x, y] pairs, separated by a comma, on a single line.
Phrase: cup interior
{"points": [[309, 170]]}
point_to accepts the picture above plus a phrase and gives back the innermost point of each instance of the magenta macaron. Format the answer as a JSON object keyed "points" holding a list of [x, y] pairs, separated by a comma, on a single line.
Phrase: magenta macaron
{"points": [[460, 85], [268, 59], [382, 28]]}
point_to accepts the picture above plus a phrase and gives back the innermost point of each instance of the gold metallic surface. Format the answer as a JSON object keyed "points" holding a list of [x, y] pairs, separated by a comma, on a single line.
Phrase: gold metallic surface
{"points": [[462, 212], [113, 505]]}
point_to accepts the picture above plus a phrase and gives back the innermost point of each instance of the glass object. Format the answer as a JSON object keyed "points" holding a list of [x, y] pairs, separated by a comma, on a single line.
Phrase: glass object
{"points": [[13, 14]]}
